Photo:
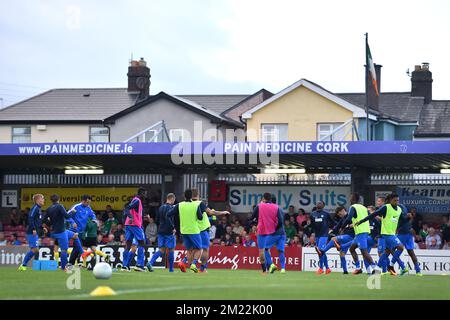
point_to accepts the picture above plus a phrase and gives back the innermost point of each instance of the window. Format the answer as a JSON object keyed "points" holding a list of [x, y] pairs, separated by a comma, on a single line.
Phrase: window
{"points": [[21, 135], [99, 134], [274, 132], [150, 135], [178, 135], [324, 131]]}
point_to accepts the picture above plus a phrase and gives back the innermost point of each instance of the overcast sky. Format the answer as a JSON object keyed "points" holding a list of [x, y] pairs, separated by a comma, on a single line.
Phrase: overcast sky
{"points": [[200, 46]]}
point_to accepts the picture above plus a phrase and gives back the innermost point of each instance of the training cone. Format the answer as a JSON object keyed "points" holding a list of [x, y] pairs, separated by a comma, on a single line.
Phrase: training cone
{"points": [[103, 291]]}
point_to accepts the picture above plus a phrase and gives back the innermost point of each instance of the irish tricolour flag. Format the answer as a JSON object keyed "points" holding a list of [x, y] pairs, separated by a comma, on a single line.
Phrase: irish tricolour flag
{"points": [[372, 72]]}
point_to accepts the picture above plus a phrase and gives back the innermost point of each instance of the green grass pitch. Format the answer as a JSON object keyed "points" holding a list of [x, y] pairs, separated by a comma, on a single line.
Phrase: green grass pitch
{"points": [[221, 285]]}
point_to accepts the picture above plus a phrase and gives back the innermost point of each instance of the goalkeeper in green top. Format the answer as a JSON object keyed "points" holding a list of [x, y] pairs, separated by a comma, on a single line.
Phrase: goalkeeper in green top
{"points": [[89, 239], [390, 215]]}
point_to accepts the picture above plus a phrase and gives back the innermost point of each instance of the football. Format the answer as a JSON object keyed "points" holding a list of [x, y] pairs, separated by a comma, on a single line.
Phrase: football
{"points": [[102, 270]]}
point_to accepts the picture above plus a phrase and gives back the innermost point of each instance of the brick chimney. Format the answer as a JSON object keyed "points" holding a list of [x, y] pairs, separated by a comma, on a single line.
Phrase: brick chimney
{"points": [[139, 78], [422, 82], [371, 95]]}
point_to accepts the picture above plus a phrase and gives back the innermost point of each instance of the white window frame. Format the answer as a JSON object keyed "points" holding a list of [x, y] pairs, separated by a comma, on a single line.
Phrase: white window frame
{"points": [[274, 132], [20, 135], [98, 135], [183, 135], [324, 133]]}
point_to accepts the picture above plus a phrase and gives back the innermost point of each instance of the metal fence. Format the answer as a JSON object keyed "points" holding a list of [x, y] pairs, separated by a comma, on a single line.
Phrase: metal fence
{"points": [[409, 179], [62, 179]]}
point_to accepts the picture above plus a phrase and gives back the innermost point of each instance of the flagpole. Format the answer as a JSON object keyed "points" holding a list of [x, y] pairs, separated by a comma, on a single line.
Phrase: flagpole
{"points": [[367, 96]]}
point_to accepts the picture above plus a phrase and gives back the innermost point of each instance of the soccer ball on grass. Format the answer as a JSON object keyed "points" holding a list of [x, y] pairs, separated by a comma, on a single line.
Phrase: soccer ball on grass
{"points": [[102, 270]]}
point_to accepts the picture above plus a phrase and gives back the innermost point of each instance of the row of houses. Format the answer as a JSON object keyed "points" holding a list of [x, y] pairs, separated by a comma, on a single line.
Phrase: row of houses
{"points": [[303, 111]]}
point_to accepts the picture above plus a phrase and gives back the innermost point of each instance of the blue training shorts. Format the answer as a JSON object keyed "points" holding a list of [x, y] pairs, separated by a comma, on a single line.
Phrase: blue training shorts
{"points": [[391, 241], [134, 232], [361, 240], [204, 235], [407, 240], [278, 240], [381, 245], [166, 241], [192, 241], [371, 242], [63, 239], [344, 238], [33, 241], [322, 242], [261, 239]]}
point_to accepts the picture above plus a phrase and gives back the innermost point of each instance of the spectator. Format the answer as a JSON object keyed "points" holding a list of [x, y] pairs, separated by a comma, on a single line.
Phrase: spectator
{"points": [[3, 241], [228, 239], [222, 243], [311, 241], [112, 241], [290, 213], [307, 226], [109, 222], [254, 233], [151, 231], [24, 217], [119, 232], [14, 217], [446, 233], [296, 242], [100, 238], [446, 246], [15, 241], [229, 230], [417, 220], [248, 241], [301, 217], [122, 239], [290, 230], [237, 229], [113, 229], [108, 210], [221, 227], [444, 224], [424, 231], [433, 240], [238, 241], [294, 223], [212, 232]]}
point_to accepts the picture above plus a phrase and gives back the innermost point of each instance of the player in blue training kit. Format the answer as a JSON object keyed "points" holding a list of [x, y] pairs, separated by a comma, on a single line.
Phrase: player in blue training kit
{"points": [[34, 229], [81, 213], [321, 221], [277, 239], [343, 241], [166, 233], [55, 218], [404, 234]]}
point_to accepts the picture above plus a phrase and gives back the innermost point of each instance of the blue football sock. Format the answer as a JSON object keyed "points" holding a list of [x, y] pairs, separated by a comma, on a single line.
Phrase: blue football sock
{"points": [[27, 258], [344, 264], [130, 258], [321, 262], [357, 264], [397, 254], [140, 257], [63, 256], [185, 260], [329, 246], [77, 245], [204, 266], [171, 260], [417, 267], [325, 261], [195, 261], [366, 265], [282, 260], [154, 257], [125, 258], [268, 258]]}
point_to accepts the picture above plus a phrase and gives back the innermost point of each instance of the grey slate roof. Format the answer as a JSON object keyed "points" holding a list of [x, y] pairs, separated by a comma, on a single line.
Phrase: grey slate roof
{"points": [[434, 119], [72, 105], [398, 106]]}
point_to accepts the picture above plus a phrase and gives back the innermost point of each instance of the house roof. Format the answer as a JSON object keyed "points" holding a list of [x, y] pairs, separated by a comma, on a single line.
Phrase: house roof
{"points": [[96, 104], [398, 106], [434, 119], [356, 109]]}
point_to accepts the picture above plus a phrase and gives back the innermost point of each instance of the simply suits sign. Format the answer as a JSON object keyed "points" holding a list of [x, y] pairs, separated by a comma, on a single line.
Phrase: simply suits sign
{"points": [[243, 198]]}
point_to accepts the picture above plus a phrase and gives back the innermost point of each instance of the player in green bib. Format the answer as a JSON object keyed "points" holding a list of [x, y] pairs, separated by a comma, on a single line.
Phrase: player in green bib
{"points": [[189, 215], [204, 226], [89, 239], [390, 215], [356, 215]]}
